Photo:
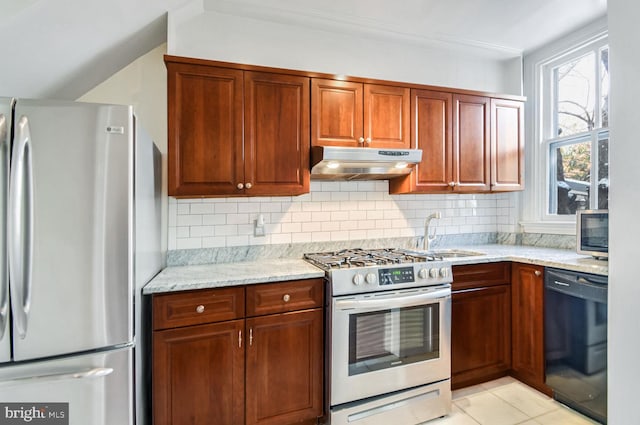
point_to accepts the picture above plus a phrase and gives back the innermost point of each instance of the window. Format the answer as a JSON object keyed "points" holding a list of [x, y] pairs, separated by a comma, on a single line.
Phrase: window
{"points": [[575, 136]]}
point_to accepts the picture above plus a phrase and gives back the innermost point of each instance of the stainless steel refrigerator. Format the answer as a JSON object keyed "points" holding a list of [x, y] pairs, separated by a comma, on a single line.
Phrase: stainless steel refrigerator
{"points": [[79, 237]]}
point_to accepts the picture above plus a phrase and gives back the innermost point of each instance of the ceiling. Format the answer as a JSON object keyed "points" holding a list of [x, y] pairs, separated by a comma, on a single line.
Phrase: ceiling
{"points": [[63, 48]]}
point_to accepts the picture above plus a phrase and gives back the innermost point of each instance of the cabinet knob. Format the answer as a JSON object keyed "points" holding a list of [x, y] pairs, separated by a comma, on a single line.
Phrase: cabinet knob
{"points": [[240, 186], [361, 140], [286, 298], [200, 309], [452, 184], [248, 185], [368, 140], [538, 273]]}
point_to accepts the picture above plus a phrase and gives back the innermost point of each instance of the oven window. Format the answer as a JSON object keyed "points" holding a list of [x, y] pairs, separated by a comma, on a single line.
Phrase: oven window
{"points": [[394, 337]]}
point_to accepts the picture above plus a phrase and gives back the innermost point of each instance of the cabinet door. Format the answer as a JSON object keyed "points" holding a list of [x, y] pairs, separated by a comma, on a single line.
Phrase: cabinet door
{"points": [[198, 375], [480, 335], [507, 145], [276, 139], [431, 132], [527, 286], [386, 117], [205, 130], [336, 113], [284, 368], [471, 147]]}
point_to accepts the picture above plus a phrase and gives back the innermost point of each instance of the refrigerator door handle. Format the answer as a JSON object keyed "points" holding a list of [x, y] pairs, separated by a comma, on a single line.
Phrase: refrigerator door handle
{"points": [[4, 290], [20, 225], [98, 372]]}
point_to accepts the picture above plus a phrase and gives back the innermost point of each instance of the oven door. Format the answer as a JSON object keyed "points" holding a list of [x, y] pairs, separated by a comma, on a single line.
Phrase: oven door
{"points": [[388, 341]]}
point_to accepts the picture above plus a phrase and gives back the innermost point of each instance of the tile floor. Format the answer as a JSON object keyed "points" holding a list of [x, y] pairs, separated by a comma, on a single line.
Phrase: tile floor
{"points": [[507, 401]]}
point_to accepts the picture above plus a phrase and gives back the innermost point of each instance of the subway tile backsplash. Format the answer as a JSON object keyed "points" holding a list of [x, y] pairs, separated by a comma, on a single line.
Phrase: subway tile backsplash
{"points": [[333, 211]]}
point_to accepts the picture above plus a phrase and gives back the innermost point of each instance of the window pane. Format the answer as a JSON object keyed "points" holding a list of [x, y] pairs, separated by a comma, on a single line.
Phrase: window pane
{"points": [[603, 174], [604, 86], [575, 106], [571, 182]]}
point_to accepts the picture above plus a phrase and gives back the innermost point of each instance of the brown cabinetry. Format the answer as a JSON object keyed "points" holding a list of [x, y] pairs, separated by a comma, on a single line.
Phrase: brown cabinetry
{"points": [[352, 114], [480, 323], [507, 145], [214, 364], [527, 336], [236, 132], [469, 144]]}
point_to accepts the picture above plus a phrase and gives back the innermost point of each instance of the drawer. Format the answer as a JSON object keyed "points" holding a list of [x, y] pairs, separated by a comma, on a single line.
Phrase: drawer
{"points": [[197, 307], [480, 275], [272, 298]]}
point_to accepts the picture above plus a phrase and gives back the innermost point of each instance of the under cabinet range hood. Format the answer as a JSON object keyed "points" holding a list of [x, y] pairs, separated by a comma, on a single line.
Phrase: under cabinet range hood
{"points": [[341, 163]]}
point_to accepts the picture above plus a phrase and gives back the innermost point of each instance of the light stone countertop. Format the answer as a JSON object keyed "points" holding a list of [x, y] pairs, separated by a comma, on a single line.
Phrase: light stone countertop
{"points": [[548, 257], [182, 278]]}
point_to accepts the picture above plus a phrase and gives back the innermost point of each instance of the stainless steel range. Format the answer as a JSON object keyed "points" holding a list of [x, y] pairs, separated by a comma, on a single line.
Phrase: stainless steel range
{"points": [[389, 336]]}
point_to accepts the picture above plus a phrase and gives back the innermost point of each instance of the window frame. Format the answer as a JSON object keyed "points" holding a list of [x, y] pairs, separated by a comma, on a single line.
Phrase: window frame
{"points": [[535, 204]]}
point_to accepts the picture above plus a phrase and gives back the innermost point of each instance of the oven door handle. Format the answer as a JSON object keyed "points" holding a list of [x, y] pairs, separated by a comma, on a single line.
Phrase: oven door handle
{"points": [[392, 302]]}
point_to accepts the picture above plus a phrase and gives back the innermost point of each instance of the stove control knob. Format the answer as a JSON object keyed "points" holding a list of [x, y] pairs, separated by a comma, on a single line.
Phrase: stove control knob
{"points": [[358, 279], [371, 278], [433, 273], [444, 272], [423, 273]]}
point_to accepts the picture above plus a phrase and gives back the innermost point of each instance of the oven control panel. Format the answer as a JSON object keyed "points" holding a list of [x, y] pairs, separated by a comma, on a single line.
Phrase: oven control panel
{"points": [[378, 278], [396, 275]]}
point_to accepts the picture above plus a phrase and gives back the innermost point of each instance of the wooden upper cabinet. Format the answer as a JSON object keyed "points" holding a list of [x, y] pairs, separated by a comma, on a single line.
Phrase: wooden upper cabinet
{"points": [[236, 133], [507, 145], [430, 132], [336, 113], [354, 114], [205, 129], [471, 143], [276, 139], [386, 116]]}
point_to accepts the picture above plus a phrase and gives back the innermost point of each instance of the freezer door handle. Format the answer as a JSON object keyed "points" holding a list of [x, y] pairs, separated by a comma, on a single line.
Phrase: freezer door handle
{"points": [[20, 225], [4, 290], [97, 372]]}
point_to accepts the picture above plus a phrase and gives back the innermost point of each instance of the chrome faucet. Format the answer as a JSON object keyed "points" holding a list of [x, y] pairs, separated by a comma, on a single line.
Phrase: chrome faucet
{"points": [[429, 238]]}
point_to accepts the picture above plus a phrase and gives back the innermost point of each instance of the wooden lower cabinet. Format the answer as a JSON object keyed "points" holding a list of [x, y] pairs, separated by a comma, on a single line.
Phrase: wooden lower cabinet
{"points": [[198, 375], [480, 335], [527, 331], [266, 369], [284, 368], [480, 323]]}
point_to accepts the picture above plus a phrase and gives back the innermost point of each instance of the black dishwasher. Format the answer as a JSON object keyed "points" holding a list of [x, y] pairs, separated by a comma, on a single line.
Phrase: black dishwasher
{"points": [[575, 324]]}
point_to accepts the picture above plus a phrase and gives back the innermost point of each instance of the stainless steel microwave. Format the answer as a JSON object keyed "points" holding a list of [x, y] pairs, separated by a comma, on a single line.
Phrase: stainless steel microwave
{"points": [[593, 233]]}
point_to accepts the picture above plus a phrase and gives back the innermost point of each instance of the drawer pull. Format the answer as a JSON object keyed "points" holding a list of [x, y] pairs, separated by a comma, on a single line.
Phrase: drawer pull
{"points": [[286, 298], [200, 309]]}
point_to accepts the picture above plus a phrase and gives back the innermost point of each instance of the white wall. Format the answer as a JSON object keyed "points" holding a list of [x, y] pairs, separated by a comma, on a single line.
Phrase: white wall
{"points": [[225, 37], [624, 203]]}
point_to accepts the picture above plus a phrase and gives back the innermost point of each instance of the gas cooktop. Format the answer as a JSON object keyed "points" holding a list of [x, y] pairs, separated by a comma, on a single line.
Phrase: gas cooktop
{"points": [[358, 257], [352, 271]]}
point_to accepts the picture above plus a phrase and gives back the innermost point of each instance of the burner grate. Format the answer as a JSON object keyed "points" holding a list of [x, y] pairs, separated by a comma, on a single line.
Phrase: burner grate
{"points": [[357, 257]]}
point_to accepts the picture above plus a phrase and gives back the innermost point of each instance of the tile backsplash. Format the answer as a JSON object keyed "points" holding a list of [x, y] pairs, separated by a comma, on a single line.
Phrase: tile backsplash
{"points": [[333, 211]]}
